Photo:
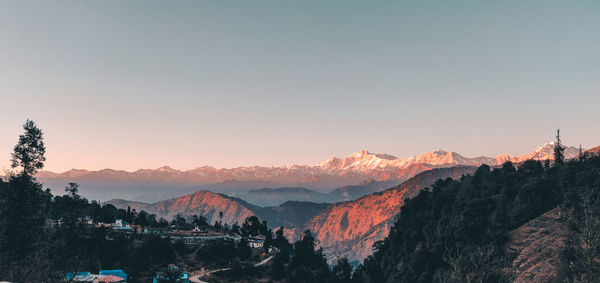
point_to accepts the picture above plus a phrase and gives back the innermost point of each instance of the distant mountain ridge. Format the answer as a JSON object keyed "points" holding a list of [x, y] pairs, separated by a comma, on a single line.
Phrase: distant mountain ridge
{"points": [[326, 175], [277, 196]]}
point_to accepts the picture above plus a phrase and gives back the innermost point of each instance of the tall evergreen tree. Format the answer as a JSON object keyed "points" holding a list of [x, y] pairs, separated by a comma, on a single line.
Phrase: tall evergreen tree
{"points": [[29, 151], [559, 149], [23, 208]]}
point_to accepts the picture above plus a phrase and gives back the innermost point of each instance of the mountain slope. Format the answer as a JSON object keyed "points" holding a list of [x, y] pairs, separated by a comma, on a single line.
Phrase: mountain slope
{"points": [[534, 249], [351, 228], [353, 192], [209, 204], [594, 151], [457, 231], [205, 203]]}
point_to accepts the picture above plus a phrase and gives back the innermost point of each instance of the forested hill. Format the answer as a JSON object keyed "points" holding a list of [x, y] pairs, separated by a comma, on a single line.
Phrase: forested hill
{"points": [[456, 230], [209, 204]]}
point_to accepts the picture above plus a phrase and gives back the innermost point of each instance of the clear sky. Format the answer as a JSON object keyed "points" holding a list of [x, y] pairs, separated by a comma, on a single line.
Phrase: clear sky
{"points": [[141, 84]]}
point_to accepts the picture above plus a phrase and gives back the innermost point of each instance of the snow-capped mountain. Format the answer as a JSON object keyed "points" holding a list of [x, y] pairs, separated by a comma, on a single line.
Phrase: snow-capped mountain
{"points": [[364, 161], [326, 175]]}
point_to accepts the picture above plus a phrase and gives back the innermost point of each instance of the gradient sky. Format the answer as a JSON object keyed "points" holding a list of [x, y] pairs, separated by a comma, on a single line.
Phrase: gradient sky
{"points": [[141, 84]]}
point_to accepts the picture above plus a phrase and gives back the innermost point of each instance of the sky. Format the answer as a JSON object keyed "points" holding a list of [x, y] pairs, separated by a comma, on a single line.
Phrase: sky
{"points": [[142, 84]]}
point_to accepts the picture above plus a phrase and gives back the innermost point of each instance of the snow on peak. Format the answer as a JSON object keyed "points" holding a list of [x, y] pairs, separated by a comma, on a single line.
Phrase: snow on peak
{"points": [[165, 168], [360, 153], [365, 161], [359, 165]]}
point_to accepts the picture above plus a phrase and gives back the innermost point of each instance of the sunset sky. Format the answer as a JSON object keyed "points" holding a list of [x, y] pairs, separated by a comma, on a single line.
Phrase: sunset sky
{"points": [[141, 84]]}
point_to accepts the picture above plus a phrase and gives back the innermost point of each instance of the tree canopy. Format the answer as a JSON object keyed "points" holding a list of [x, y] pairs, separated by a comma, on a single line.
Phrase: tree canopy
{"points": [[29, 151]]}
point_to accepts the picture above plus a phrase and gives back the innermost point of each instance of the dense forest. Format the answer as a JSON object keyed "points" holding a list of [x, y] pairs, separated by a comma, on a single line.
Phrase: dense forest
{"points": [[455, 230]]}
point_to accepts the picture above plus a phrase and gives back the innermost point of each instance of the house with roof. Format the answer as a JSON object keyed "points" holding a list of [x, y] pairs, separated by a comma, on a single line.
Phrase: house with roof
{"points": [[114, 275], [121, 223], [115, 272]]}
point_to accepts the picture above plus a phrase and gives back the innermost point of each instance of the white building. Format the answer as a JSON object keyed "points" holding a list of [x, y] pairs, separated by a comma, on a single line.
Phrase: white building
{"points": [[256, 242], [121, 223]]}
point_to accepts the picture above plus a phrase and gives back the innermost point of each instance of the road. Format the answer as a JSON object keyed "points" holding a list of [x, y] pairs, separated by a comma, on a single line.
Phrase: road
{"points": [[196, 277]]}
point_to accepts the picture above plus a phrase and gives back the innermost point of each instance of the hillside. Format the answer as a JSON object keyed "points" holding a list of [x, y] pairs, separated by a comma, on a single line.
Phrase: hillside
{"points": [[351, 228], [209, 204], [533, 250], [594, 151], [205, 203], [463, 230], [353, 192]]}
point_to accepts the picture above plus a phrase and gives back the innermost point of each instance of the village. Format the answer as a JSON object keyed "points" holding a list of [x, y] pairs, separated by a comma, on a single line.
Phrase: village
{"points": [[178, 232]]}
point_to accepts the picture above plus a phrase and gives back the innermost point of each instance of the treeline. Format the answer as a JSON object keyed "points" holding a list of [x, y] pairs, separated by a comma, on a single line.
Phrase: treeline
{"points": [[42, 236], [455, 231]]}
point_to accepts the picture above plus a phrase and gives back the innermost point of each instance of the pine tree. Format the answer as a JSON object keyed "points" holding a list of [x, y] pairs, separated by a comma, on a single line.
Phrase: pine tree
{"points": [[23, 208], [559, 149], [29, 151]]}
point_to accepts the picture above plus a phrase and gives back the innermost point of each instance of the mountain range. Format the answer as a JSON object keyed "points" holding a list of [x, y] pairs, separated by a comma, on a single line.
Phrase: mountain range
{"points": [[343, 229], [346, 228], [151, 185]]}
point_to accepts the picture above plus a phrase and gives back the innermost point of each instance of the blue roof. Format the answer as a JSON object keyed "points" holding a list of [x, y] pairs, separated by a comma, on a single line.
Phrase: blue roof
{"points": [[122, 228], [115, 272]]}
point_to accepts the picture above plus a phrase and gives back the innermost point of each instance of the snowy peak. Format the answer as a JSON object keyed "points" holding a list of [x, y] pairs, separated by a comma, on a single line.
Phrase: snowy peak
{"points": [[332, 173], [438, 157], [357, 161], [547, 152], [366, 161], [166, 169], [366, 154]]}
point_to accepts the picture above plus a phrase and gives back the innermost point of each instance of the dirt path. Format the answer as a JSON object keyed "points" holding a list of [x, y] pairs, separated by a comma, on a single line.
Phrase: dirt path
{"points": [[195, 276], [264, 261]]}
